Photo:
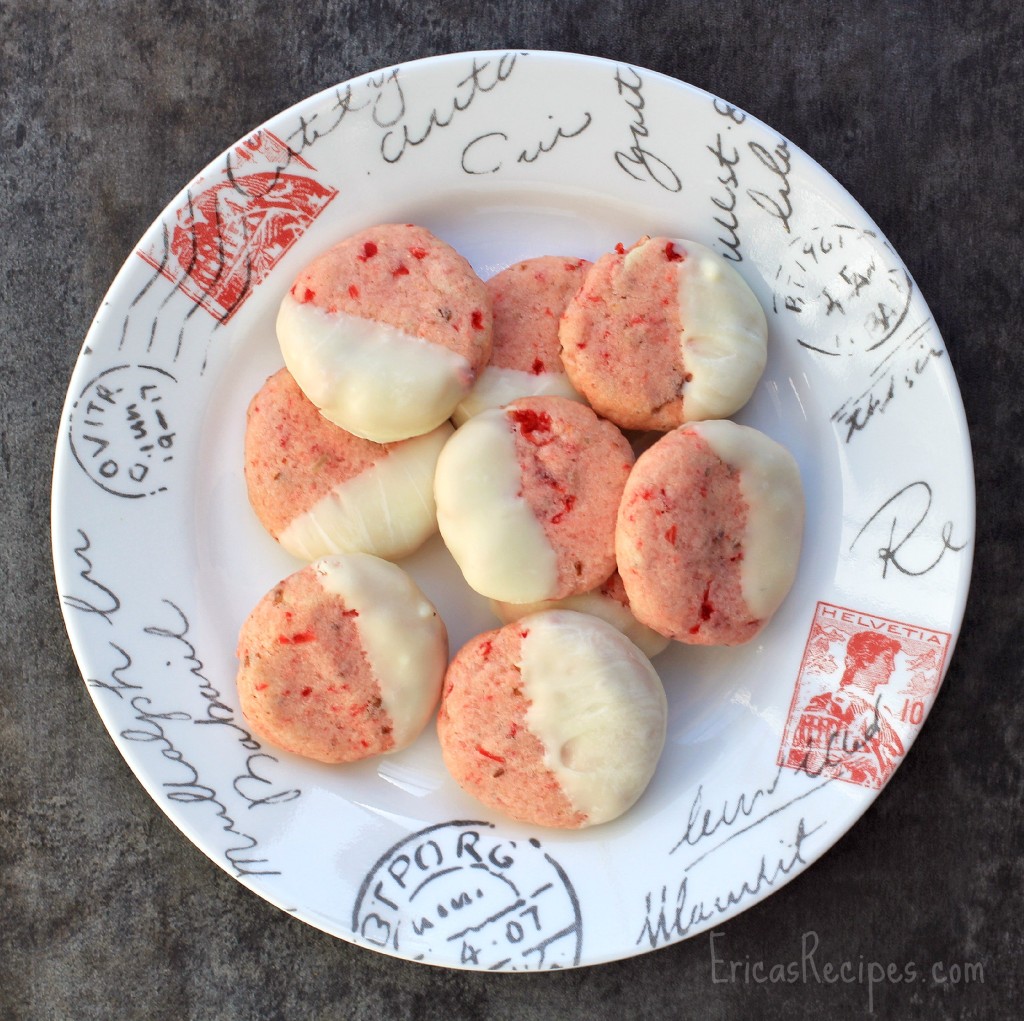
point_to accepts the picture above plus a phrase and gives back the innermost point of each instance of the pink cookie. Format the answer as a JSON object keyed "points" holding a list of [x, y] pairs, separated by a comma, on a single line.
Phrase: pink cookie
{"points": [[709, 531], [527, 497], [664, 333], [318, 489], [556, 720], [528, 298], [608, 601], [386, 332], [342, 660]]}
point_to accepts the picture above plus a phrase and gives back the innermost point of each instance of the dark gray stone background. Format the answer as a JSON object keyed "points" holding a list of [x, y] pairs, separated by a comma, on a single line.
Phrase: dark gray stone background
{"points": [[108, 109]]}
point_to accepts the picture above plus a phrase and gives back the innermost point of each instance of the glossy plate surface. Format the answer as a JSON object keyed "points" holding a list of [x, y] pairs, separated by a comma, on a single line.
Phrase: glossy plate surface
{"points": [[774, 749]]}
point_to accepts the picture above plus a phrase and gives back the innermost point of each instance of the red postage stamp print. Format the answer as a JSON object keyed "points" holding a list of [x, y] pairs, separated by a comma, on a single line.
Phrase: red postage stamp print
{"points": [[231, 232], [865, 685]]}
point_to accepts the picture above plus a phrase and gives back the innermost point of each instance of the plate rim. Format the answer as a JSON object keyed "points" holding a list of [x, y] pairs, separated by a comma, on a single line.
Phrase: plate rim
{"points": [[63, 465]]}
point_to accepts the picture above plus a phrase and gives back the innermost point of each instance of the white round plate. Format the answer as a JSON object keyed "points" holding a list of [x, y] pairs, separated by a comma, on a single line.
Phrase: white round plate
{"points": [[774, 749]]}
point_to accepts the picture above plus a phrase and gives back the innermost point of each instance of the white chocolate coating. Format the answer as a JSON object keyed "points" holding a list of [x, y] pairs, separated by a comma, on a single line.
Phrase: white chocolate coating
{"points": [[724, 334], [496, 386], [403, 636], [597, 604], [375, 381], [597, 706], [387, 510], [770, 485], [488, 527]]}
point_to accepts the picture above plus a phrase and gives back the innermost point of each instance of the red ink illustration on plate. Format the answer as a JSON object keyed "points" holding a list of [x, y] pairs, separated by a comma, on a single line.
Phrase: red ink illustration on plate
{"points": [[230, 234], [865, 686]]}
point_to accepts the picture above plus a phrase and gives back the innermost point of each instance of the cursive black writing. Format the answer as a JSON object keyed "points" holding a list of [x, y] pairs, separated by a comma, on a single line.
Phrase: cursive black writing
{"points": [[888, 379], [725, 215], [487, 153], [710, 822], [840, 744], [483, 76], [704, 822], [109, 601], [325, 122], [734, 113], [665, 921], [778, 204], [186, 786], [159, 728], [638, 161], [909, 508], [871, 402], [528, 156], [218, 713], [116, 683]]}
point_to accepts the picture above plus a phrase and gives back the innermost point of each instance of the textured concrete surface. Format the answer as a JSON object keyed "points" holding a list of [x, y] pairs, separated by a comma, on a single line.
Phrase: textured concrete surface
{"points": [[107, 109]]}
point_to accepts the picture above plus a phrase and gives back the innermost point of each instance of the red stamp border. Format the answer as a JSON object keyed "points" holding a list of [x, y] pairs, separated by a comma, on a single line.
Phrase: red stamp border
{"points": [[833, 727], [230, 233]]}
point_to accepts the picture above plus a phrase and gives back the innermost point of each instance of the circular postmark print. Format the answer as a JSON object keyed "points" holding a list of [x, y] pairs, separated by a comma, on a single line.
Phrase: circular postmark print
{"points": [[121, 431], [847, 289], [459, 894]]}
